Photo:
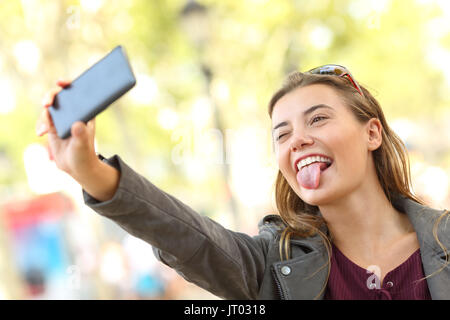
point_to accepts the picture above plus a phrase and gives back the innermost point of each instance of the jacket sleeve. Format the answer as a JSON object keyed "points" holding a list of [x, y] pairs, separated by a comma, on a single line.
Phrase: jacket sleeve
{"points": [[228, 264]]}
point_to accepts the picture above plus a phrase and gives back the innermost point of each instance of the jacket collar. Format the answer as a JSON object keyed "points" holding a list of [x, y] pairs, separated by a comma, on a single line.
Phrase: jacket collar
{"points": [[423, 219]]}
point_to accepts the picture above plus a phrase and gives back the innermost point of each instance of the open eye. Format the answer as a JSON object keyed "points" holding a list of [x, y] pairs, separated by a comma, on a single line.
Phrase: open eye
{"points": [[315, 118]]}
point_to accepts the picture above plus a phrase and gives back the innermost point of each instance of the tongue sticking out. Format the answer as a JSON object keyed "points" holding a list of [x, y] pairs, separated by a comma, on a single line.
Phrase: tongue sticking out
{"points": [[309, 176]]}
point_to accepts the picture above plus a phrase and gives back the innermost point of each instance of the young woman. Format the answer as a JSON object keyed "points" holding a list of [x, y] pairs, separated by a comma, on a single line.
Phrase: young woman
{"points": [[348, 226]]}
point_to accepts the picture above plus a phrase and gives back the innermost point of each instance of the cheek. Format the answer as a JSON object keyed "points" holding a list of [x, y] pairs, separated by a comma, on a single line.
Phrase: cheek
{"points": [[282, 158], [284, 162], [350, 153]]}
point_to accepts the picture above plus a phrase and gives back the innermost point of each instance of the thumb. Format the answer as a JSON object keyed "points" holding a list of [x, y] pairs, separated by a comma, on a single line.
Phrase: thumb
{"points": [[79, 131]]}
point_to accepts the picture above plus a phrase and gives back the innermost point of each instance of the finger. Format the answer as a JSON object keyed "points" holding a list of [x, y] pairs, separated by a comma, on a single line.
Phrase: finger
{"points": [[50, 153], [63, 82], [41, 125], [49, 122], [91, 124], [79, 131], [50, 97], [45, 124]]}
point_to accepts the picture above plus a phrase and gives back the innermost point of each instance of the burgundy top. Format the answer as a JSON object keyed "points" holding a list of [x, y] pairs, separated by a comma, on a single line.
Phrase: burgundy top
{"points": [[348, 281]]}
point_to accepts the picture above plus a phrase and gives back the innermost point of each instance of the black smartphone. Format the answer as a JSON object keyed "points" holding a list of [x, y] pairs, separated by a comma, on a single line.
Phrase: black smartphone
{"points": [[92, 92]]}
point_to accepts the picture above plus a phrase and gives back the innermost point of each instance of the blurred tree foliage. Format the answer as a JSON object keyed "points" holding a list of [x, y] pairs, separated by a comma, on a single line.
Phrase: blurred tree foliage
{"points": [[252, 45]]}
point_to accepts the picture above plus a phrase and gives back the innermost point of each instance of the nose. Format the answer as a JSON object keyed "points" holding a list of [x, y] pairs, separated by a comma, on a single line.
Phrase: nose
{"points": [[299, 141]]}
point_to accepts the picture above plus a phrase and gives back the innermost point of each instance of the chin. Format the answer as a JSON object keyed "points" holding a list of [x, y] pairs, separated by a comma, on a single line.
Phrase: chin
{"points": [[314, 197]]}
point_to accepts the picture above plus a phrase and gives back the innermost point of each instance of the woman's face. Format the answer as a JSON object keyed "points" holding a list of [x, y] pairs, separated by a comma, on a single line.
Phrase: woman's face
{"points": [[314, 120]]}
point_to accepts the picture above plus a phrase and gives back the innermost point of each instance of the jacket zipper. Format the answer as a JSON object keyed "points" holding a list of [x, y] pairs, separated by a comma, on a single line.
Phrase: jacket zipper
{"points": [[278, 285]]}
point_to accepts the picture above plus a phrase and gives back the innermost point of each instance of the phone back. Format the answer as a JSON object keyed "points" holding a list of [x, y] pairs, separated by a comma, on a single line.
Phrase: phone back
{"points": [[92, 92]]}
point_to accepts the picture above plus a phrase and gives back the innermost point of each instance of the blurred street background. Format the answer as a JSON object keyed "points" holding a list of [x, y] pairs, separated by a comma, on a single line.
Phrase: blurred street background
{"points": [[196, 124]]}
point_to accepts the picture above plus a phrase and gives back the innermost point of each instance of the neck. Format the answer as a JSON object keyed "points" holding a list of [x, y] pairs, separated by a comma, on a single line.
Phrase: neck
{"points": [[365, 221]]}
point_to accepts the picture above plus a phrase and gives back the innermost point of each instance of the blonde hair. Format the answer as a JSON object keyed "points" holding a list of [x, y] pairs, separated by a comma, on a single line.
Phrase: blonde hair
{"points": [[390, 159]]}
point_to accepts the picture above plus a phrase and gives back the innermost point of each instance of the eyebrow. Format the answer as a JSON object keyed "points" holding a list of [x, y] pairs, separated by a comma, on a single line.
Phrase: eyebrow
{"points": [[305, 113]]}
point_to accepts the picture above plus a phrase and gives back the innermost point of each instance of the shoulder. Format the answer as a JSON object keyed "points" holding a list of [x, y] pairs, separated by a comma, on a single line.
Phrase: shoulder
{"points": [[441, 227], [428, 222], [271, 223]]}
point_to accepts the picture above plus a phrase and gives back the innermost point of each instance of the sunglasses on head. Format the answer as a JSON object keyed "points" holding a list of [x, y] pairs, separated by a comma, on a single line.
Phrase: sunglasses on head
{"points": [[336, 70]]}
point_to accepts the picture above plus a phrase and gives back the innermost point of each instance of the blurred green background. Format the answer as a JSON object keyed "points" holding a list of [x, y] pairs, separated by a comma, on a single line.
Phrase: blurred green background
{"points": [[196, 124]]}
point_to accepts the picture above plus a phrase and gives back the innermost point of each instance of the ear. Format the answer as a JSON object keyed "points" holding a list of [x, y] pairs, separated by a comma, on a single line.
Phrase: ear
{"points": [[374, 134]]}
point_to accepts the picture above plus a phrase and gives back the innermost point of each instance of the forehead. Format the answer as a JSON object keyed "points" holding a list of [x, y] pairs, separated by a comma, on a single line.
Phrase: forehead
{"points": [[297, 101]]}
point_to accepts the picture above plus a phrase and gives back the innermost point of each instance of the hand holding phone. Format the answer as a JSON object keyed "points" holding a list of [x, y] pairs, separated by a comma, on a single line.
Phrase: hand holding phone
{"points": [[92, 92], [76, 154]]}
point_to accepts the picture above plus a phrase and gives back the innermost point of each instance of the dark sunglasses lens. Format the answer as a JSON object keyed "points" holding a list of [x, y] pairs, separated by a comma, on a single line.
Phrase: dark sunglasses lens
{"points": [[319, 71], [331, 70]]}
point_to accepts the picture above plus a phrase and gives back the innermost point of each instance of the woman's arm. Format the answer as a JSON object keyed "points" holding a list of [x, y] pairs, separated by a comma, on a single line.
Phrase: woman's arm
{"points": [[101, 182], [226, 263]]}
